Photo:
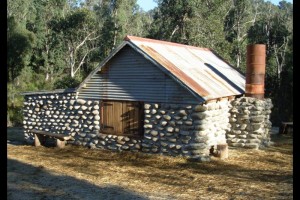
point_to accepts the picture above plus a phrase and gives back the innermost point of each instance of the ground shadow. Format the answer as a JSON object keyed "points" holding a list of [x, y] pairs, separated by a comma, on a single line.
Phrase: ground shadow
{"points": [[28, 182], [15, 136], [177, 173]]}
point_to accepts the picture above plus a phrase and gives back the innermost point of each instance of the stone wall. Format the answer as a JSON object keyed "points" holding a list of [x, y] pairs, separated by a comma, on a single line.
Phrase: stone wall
{"points": [[250, 123], [169, 129], [48, 112], [185, 130], [62, 113]]}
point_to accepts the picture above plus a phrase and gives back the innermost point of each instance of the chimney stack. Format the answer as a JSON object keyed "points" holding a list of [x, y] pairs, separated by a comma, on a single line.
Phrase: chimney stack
{"points": [[255, 72]]}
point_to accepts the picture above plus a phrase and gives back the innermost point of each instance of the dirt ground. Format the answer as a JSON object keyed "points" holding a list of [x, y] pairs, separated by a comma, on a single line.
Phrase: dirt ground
{"points": [[74, 172]]}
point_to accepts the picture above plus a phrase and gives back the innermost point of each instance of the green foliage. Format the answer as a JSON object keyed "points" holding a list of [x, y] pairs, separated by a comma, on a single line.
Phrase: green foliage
{"points": [[67, 82], [74, 23], [47, 57], [20, 43], [15, 116], [171, 20], [236, 23], [79, 39], [26, 81], [257, 34], [57, 43], [120, 18], [273, 29]]}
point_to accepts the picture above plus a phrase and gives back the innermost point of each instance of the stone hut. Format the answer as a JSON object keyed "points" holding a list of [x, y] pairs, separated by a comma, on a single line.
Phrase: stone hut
{"points": [[156, 97]]}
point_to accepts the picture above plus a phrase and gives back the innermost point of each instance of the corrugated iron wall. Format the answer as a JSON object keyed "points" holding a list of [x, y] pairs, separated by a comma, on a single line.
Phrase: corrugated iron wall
{"points": [[129, 76]]}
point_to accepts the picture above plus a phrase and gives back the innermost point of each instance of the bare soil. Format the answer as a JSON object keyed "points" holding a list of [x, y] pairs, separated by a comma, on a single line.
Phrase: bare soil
{"points": [[80, 173]]}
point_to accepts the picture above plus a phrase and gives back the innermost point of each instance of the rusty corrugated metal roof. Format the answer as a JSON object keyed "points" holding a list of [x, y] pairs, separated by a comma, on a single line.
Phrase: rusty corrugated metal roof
{"points": [[200, 69]]}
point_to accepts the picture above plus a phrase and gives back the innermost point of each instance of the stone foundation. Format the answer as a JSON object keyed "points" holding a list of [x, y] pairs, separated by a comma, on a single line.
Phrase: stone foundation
{"points": [[250, 123]]}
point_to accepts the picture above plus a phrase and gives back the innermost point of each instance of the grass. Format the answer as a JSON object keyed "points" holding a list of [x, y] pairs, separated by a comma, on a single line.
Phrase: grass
{"points": [[246, 174]]}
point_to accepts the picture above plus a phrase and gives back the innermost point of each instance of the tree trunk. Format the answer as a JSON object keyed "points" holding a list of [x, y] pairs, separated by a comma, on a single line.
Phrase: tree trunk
{"points": [[238, 60], [72, 71], [9, 124]]}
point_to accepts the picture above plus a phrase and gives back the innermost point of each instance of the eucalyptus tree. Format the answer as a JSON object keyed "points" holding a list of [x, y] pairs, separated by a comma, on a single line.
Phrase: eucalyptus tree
{"points": [[20, 11], [195, 22], [20, 41], [47, 54], [241, 16], [78, 29], [274, 28], [170, 20], [283, 28], [19, 49], [206, 26], [120, 18]]}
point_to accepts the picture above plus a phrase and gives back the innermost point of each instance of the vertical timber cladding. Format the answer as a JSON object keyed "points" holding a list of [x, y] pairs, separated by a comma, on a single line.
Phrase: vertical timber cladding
{"points": [[129, 76], [122, 117]]}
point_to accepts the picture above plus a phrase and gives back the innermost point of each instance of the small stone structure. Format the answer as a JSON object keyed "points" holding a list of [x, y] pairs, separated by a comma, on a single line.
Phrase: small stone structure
{"points": [[250, 123], [169, 129]]}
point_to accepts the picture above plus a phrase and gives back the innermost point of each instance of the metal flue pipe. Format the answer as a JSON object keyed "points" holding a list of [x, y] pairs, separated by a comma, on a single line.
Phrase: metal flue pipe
{"points": [[255, 72]]}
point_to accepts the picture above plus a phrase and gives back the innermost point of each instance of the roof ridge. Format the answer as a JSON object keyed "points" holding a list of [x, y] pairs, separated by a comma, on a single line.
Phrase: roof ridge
{"points": [[135, 38]]}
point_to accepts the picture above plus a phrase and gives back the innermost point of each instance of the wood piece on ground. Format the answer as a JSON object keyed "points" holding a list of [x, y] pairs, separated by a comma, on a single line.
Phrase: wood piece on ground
{"points": [[60, 144], [37, 141], [222, 150]]}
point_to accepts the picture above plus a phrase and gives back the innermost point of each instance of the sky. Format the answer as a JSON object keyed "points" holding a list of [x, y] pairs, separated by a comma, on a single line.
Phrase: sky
{"points": [[147, 4], [150, 4]]}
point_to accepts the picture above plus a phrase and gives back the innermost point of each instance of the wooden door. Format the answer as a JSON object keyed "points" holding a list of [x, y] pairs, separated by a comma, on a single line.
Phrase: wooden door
{"points": [[122, 118]]}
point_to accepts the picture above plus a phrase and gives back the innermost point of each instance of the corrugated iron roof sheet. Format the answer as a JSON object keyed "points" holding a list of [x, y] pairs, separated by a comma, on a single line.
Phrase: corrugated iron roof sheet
{"points": [[68, 90], [199, 70]]}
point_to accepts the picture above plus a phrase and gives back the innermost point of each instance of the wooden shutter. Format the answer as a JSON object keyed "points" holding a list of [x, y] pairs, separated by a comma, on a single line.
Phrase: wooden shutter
{"points": [[122, 118], [132, 118]]}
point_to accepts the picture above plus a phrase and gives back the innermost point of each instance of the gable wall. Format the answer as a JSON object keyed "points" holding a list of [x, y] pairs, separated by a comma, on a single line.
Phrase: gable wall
{"points": [[129, 76]]}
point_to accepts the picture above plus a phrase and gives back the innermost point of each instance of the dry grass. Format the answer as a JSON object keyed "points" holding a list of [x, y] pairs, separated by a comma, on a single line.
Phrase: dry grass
{"points": [[80, 173]]}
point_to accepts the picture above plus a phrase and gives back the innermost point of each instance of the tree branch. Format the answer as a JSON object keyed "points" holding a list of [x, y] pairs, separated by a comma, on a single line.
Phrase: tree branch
{"points": [[84, 40], [175, 29], [82, 60]]}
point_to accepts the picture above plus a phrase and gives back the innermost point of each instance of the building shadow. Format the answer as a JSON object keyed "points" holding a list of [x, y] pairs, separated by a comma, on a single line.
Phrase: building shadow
{"points": [[15, 136], [25, 181]]}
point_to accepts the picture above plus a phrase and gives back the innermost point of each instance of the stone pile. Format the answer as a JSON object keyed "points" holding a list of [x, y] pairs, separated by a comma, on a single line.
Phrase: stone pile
{"points": [[250, 123]]}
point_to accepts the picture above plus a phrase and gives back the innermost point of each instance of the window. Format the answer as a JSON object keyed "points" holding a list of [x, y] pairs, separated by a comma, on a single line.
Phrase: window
{"points": [[122, 118]]}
